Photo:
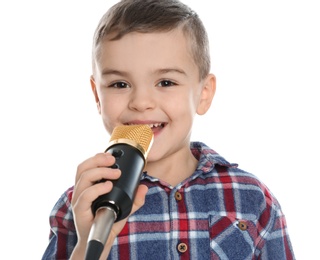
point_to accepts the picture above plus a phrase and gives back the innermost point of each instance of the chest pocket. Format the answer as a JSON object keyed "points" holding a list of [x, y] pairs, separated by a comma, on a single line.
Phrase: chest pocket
{"points": [[232, 238]]}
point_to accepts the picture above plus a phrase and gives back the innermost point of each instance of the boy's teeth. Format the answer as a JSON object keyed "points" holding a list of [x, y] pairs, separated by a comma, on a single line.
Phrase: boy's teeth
{"points": [[155, 125], [152, 125]]}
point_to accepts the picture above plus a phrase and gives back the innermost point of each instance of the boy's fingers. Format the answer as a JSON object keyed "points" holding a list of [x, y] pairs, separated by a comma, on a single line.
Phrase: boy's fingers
{"points": [[84, 201], [99, 160], [92, 171], [93, 176]]}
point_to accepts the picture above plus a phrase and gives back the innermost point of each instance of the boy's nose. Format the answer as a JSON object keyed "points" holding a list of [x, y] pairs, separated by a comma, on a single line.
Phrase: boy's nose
{"points": [[141, 99]]}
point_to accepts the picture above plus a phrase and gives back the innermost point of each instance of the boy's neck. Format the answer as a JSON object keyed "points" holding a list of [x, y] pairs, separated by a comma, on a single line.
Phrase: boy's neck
{"points": [[174, 169]]}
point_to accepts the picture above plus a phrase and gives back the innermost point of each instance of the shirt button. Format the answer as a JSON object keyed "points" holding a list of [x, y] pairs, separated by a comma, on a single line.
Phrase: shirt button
{"points": [[178, 196], [243, 225], [182, 247]]}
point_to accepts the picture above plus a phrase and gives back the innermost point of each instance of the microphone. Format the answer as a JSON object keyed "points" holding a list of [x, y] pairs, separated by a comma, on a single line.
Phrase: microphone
{"points": [[130, 145]]}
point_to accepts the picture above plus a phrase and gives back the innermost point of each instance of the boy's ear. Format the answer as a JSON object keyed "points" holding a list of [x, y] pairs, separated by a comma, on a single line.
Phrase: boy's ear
{"points": [[95, 93], [207, 94]]}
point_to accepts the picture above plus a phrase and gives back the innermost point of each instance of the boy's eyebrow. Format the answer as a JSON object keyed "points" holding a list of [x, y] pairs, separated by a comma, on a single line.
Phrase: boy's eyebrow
{"points": [[159, 71], [113, 72], [168, 70]]}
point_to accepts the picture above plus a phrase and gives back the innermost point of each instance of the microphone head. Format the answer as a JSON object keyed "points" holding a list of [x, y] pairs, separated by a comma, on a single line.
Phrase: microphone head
{"points": [[139, 136]]}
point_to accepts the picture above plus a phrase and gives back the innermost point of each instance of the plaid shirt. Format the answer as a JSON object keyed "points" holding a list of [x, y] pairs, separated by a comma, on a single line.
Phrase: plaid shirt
{"points": [[220, 212]]}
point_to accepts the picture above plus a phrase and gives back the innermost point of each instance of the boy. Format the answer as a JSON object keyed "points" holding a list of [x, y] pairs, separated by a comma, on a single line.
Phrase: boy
{"points": [[151, 65]]}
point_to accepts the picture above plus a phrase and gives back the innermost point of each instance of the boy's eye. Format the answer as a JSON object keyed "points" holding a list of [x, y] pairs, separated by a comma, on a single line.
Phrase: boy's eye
{"points": [[119, 85], [166, 83]]}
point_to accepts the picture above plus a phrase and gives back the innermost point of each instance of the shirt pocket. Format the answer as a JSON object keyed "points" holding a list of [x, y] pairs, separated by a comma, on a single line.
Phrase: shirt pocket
{"points": [[231, 238]]}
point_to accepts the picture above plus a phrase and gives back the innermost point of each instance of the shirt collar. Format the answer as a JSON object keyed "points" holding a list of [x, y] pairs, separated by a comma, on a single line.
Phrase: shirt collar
{"points": [[207, 159]]}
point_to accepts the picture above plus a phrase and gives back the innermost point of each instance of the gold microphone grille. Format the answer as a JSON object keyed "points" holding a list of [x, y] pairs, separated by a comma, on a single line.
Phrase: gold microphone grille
{"points": [[140, 134]]}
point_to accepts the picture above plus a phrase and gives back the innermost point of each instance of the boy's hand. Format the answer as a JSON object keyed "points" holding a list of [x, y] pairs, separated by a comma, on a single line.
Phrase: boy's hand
{"points": [[86, 190]]}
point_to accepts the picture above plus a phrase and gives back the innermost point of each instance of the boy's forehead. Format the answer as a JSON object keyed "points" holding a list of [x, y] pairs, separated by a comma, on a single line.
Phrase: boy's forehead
{"points": [[158, 43], [146, 51]]}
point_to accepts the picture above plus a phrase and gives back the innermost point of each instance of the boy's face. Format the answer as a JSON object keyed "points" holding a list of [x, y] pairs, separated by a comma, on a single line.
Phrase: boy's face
{"points": [[151, 79]]}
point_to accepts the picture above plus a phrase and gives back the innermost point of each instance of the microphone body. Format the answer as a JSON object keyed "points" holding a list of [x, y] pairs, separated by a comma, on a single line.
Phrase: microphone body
{"points": [[130, 146], [131, 163]]}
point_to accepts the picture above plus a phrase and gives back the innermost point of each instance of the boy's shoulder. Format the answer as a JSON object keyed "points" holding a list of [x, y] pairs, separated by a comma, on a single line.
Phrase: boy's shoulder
{"points": [[213, 162], [218, 171]]}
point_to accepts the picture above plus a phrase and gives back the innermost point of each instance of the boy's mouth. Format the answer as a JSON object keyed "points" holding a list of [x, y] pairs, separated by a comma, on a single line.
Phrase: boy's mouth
{"points": [[153, 126]]}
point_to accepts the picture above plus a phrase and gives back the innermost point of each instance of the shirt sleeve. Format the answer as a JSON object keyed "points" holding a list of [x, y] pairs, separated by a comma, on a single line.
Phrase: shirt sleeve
{"points": [[275, 242], [63, 236]]}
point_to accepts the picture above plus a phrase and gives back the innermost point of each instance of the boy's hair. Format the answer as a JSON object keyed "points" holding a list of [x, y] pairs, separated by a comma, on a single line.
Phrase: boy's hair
{"points": [[147, 16]]}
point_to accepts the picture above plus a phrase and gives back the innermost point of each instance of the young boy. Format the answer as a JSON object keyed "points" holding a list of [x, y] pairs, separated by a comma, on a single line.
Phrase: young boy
{"points": [[151, 65]]}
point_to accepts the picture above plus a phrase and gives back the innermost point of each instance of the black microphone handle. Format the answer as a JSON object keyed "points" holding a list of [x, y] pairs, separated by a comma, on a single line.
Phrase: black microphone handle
{"points": [[116, 204], [131, 162]]}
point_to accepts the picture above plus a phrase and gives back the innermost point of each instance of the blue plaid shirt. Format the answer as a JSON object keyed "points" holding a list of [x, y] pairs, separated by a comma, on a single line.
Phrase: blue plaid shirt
{"points": [[220, 212]]}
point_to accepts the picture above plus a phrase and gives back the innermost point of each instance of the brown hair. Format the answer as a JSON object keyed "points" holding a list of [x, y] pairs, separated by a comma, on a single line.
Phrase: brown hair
{"points": [[146, 16]]}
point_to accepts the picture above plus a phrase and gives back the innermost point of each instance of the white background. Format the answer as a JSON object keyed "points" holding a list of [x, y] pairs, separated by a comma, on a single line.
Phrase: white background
{"points": [[265, 115]]}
